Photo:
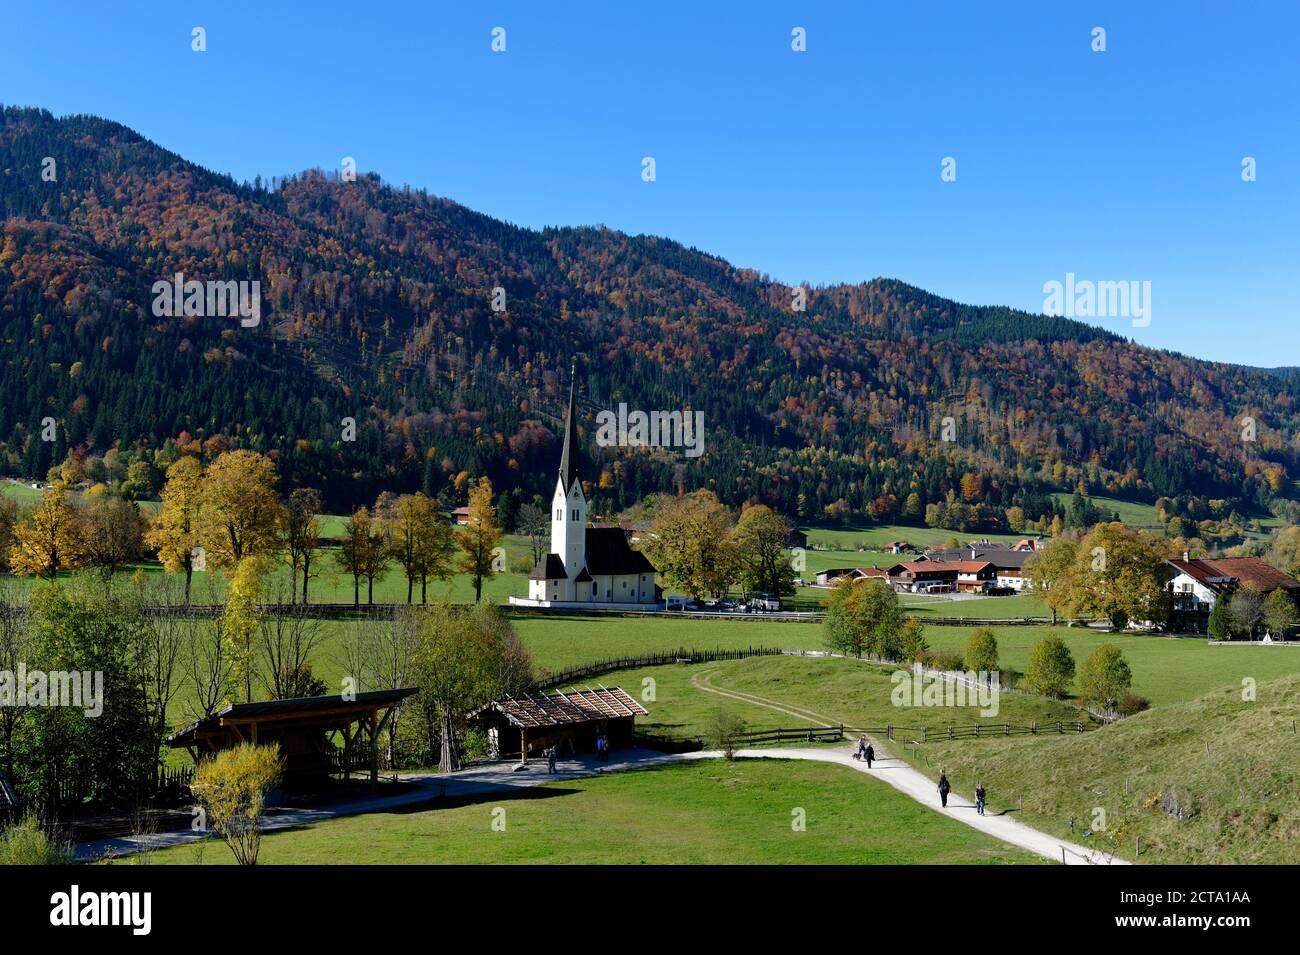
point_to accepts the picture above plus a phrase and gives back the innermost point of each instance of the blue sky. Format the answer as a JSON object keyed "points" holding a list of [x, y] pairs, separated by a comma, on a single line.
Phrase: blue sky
{"points": [[821, 166]]}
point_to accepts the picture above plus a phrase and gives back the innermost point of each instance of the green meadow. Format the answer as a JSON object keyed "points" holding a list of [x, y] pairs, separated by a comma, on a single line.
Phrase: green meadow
{"points": [[707, 812]]}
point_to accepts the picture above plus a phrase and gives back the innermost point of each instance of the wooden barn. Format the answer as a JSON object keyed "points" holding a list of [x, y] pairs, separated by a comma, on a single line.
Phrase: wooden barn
{"points": [[305, 729], [523, 725]]}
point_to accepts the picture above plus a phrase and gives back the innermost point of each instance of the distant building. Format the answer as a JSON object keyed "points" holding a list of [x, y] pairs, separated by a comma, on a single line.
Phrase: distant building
{"points": [[932, 575], [460, 516], [587, 566], [1197, 584], [796, 538], [1009, 563], [899, 547]]}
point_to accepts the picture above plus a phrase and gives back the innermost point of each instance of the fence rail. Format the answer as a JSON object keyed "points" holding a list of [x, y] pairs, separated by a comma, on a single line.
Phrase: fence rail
{"points": [[682, 655]]}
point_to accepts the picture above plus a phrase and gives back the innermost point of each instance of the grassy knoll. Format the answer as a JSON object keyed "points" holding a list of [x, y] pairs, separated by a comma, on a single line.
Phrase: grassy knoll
{"points": [[1243, 792], [837, 691], [1165, 669], [709, 812]]}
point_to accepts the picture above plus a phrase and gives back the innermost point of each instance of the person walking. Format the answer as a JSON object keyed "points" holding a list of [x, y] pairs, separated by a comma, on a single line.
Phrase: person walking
{"points": [[980, 793], [944, 788], [550, 758], [862, 748], [869, 754]]}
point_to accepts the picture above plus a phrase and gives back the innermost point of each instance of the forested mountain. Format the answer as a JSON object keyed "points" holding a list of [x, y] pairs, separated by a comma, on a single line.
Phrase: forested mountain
{"points": [[376, 306]]}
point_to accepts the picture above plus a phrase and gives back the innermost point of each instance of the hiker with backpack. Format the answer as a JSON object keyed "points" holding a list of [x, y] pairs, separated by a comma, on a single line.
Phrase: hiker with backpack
{"points": [[980, 795], [944, 788]]}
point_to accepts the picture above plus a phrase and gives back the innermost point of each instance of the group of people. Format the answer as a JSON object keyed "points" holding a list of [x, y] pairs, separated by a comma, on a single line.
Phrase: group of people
{"points": [[552, 753], [866, 751], [981, 794]]}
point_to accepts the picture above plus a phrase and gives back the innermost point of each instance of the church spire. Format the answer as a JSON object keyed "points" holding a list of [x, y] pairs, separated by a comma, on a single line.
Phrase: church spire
{"points": [[569, 457]]}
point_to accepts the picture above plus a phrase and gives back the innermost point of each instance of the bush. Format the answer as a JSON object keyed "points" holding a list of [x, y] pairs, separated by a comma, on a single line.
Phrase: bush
{"points": [[1105, 677], [942, 660], [27, 843], [724, 730], [1131, 703], [982, 651], [232, 790]]}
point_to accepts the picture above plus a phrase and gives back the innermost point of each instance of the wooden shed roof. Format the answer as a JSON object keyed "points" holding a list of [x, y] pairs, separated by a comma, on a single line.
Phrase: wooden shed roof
{"points": [[564, 708], [302, 709]]}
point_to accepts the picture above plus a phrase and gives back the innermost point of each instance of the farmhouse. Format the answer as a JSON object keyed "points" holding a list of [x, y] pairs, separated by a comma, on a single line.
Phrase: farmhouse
{"points": [[931, 575], [520, 725], [587, 566], [1008, 562], [1197, 584]]}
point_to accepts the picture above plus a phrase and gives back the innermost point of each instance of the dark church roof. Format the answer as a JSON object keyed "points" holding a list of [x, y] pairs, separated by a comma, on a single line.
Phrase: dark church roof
{"points": [[608, 552], [550, 567], [569, 456]]}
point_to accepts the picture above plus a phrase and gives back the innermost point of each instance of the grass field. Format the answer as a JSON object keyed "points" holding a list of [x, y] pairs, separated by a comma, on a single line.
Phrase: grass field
{"points": [[1234, 766], [839, 691], [708, 812], [1132, 513]]}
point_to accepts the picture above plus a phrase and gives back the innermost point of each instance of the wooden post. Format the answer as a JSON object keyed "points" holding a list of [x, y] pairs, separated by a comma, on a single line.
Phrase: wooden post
{"points": [[523, 745], [922, 734], [1006, 729], [374, 751]]}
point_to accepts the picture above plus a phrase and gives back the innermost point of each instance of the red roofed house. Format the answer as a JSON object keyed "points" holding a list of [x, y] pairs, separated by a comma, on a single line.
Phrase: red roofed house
{"points": [[1197, 584], [930, 576]]}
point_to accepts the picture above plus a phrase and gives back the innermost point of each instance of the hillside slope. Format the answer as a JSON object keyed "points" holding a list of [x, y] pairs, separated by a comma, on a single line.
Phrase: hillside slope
{"points": [[1230, 768], [376, 306]]}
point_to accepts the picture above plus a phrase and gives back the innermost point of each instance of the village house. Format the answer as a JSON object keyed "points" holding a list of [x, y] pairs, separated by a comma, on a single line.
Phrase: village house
{"points": [[1197, 584]]}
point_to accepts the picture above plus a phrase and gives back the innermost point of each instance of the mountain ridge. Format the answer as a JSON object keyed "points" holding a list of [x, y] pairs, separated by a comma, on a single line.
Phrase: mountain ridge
{"points": [[381, 295]]}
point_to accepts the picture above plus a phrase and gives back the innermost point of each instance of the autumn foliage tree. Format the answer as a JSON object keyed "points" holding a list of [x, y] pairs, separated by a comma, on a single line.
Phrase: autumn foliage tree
{"points": [[759, 540], [174, 533], [420, 540], [240, 510], [479, 538], [690, 541], [50, 538]]}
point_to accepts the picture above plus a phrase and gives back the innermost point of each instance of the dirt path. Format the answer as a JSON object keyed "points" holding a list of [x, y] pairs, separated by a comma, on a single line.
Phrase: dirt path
{"points": [[912, 782]]}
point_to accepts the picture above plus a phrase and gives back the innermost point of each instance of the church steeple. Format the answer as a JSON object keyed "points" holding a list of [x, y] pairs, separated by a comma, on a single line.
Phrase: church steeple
{"points": [[569, 457]]}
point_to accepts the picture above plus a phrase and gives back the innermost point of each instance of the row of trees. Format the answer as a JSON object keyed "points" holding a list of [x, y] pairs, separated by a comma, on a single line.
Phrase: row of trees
{"points": [[229, 512], [411, 531], [157, 666]]}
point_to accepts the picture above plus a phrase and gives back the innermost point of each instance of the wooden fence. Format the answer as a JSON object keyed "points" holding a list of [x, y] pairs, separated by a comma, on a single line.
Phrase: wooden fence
{"points": [[930, 734], [683, 655]]}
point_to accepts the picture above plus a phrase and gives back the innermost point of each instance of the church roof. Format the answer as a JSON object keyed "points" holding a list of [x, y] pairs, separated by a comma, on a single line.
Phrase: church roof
{"points": [[550, 567], [608, 552], [569, 456]]}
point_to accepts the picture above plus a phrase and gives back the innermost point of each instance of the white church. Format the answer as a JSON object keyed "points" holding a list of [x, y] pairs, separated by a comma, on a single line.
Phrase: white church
{"points": [[587, 566]]}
